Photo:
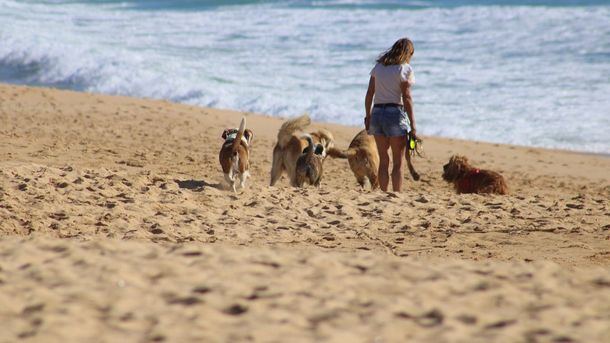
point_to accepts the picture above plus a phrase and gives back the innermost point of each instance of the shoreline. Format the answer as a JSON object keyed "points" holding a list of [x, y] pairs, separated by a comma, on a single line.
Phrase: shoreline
{"points": [[578, 152]]}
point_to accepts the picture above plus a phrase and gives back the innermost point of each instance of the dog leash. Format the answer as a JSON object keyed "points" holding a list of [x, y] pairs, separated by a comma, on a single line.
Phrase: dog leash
{"points": [[415, 145]]}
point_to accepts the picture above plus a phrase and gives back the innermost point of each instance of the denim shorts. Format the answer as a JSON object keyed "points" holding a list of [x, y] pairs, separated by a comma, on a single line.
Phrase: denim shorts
{"points": [[389, 121]]}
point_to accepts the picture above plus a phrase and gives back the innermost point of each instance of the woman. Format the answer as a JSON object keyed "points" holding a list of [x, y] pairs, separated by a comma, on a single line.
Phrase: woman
{"points": [[390, 87]]}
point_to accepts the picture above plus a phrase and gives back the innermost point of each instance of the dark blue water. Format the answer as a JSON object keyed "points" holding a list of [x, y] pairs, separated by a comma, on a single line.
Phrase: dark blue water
{"points": [[395, 4]]}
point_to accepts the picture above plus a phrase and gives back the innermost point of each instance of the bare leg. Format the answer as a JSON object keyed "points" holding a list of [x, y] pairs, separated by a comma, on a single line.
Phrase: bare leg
{"points": [[230, 179], [372, 174], [242, 178], [383, 143], [298, 181], [398, 145], [373, 181], [363, 181], [277, 166]]}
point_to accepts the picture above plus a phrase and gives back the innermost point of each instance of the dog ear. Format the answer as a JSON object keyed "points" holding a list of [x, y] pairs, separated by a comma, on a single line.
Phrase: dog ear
{"points": [[249, 135], [225, 133]]}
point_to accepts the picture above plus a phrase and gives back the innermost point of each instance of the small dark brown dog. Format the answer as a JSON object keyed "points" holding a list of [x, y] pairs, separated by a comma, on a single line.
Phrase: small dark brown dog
{"points": [[309, 167], [467, 179], [234, 155]]}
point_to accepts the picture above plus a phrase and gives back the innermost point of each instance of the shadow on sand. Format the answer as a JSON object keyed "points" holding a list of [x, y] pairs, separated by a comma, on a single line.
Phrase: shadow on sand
{"points": [[197, 185]]}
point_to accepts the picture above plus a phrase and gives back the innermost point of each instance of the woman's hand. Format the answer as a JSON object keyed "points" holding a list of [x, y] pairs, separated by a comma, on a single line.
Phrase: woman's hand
{"points": [[414, 133], [367, 122]]}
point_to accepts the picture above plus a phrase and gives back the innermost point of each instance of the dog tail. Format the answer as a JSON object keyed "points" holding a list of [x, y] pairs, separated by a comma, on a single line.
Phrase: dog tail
{"points": [[326, 138], [336, 153], [240, 134], [291, 126], [310, 145], [310, 172]]}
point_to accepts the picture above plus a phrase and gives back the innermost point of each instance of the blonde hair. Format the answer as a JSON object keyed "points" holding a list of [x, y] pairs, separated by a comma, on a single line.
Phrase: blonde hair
{"points": [[399, 53]]}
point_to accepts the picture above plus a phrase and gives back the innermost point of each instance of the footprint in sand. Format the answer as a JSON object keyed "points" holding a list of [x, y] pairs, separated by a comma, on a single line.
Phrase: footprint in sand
{"points": [[155, 229], [201, 290], [235, 310], [186, 301], [61, 215]]}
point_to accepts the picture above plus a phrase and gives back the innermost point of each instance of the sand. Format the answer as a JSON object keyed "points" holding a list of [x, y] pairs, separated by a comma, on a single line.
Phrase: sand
{"points": [[114, 227]]}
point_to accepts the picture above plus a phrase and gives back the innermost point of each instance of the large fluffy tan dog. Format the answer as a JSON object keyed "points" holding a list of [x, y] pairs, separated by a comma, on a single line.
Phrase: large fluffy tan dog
{"points": [[289, 147], [467, 179], [363, 159], [234, 155]]}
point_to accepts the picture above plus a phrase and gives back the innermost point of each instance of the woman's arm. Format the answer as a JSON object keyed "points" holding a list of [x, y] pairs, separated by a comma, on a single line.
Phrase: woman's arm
{"points": [[368, 102], [405, 89]]}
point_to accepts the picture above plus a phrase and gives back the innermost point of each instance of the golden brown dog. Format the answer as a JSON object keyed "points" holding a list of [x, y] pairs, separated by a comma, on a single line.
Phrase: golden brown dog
{"points": [[289, 147], [309, 166], [363, 158], [467, 179], [234, 155]]}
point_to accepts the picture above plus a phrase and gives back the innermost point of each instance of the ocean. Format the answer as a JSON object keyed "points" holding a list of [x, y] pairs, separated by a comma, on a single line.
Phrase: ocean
{"points": [[533, 73]]}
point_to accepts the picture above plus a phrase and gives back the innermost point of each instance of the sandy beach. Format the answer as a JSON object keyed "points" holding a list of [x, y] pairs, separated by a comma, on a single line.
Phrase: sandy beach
{"points": [[115, 228]]}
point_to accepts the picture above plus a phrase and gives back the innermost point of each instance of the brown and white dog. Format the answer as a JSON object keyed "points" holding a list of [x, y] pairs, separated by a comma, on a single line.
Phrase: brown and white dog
{"points": [[234, 155], [289, 147], [309, 167], [467, 179], [363, 158]]}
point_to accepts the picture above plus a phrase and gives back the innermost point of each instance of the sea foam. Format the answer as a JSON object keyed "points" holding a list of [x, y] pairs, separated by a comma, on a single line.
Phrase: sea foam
{"points": [[537, 76]]}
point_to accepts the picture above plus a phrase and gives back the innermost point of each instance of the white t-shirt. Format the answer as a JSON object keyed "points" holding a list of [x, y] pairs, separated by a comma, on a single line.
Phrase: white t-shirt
{"points": [[387, 82]]}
